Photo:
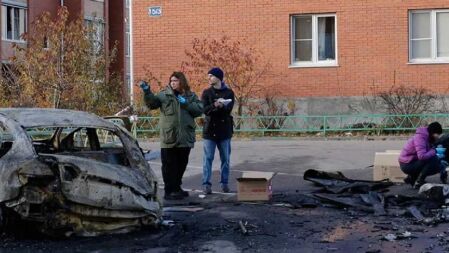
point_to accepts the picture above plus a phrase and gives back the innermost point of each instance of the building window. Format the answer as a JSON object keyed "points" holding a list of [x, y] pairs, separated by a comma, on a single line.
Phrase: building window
{"points": [[429, 36], [314, 40], [96, 35], [13, 23]]}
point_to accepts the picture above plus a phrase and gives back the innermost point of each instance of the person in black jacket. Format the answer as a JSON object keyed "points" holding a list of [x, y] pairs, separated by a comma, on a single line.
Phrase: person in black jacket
{"points": [[218, 101]]}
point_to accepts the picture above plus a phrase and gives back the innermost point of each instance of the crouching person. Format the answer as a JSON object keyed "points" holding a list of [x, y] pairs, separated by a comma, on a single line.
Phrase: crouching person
{"points": [[179, 107], [418, 158]]}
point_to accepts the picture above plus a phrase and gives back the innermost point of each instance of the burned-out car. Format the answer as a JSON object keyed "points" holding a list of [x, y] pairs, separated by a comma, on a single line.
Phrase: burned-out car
{"points": [[71, 172]]}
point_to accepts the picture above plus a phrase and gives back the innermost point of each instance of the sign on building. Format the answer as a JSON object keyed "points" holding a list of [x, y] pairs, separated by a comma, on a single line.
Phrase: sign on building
{"points": [[155, 11]]}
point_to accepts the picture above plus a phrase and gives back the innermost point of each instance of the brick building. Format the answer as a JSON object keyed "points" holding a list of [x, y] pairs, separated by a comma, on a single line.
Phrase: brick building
{"points": [[326, 53], [109, 17]]}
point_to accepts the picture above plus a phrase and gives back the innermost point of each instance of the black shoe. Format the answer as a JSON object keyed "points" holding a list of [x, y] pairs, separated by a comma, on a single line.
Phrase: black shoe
{"points": [[418, 184], [409, 180], [174, 196], [419, 181], [443, 178], [183, 193]]}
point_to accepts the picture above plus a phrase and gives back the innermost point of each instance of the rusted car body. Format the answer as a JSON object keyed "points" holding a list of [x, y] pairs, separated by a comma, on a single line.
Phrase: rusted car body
{"points": [[70, 172]]}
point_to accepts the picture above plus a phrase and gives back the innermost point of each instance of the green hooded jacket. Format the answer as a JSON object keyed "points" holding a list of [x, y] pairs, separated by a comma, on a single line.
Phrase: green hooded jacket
{"points": [[177, 124]]}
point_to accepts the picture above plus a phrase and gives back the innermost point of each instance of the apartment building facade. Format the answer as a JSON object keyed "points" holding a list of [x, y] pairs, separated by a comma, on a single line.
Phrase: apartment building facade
{"points": [[320, 50]]}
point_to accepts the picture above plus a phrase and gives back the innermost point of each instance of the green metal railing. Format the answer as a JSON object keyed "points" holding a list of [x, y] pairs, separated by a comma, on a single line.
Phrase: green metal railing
{"points": [[377, 123]]}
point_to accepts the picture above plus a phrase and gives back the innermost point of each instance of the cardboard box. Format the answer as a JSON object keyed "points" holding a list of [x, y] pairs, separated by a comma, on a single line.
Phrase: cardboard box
{"points": [[392, 151], [386, 166], [254, 186]]}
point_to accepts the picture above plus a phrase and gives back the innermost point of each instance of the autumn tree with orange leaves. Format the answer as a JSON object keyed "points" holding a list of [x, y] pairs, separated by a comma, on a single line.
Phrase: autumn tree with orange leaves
{"points": [[244, 67], [62, 67]]}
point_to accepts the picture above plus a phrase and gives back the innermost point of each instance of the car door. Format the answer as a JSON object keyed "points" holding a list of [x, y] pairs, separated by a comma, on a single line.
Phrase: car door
{"points": [[101, 171]]}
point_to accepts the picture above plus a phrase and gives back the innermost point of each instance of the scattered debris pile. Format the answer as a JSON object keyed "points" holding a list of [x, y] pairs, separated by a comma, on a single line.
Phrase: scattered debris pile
{"points": [[428, 207]]}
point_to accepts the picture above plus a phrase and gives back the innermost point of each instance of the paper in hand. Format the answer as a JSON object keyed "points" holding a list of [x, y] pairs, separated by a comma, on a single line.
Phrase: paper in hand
{"points": [[224, 101]]}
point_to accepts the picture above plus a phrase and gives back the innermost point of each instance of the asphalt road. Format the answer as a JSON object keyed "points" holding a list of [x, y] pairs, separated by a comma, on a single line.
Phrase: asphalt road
{"points": [[289, 158], [272, 228]]}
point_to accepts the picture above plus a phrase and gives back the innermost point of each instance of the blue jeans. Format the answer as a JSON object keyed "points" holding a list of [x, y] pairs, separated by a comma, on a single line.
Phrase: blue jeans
{"points": [[224, 148]]}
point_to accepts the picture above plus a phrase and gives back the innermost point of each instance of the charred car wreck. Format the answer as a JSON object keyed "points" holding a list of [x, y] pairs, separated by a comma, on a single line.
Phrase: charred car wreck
{"points": [[70, 172]]}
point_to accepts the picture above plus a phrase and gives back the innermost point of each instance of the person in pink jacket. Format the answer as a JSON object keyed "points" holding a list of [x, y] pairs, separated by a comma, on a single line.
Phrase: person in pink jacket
{"points": [[418, 157]]}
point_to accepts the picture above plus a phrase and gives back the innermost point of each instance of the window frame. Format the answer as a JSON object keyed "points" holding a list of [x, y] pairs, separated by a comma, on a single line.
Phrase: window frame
{"points": [[434, 59], [98, 43], [315, 61], [4, 18]]}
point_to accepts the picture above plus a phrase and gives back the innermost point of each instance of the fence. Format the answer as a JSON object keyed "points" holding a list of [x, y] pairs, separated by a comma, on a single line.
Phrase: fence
{"points": [[377, 123]]}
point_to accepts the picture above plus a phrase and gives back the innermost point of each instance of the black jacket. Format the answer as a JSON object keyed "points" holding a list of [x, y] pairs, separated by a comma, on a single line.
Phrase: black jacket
{"points": [[218, 123]]}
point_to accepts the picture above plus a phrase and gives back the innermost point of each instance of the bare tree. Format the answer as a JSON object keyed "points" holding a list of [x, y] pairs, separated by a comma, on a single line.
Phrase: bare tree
{"points": [[407, 100]]}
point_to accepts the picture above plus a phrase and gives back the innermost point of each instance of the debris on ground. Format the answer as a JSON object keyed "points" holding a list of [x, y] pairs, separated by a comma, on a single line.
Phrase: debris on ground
{"points": [[243, 228], [398, 236], [436, 192], [168, 223], [373, 197], [297, 200], [192, 209], [336, 182]]}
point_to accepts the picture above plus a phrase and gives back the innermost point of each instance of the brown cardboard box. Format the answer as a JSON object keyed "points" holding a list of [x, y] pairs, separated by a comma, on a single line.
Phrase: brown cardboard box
{"points": [[386, 166], [254, 186]]}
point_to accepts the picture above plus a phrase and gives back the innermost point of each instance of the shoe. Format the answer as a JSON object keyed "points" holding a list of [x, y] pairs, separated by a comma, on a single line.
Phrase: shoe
{"points": [[419, 181], [207, 189], [225, 188], [409, 180], [443, 178], [174, 196], [183, 193]]}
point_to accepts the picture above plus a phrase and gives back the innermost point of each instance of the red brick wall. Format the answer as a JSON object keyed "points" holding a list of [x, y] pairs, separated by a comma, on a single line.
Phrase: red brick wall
{"points": [[117, 33], [36, 8], [75, 8], [372, 41]]}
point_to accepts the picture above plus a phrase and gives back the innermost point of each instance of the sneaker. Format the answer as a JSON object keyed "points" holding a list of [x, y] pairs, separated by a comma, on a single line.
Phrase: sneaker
{"points": [[225, 188], [174, 196], [207, 189]]}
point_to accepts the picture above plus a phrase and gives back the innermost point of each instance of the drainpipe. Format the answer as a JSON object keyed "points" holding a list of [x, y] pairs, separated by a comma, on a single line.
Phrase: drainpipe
{"points": [[131, 57], [62, 2]]}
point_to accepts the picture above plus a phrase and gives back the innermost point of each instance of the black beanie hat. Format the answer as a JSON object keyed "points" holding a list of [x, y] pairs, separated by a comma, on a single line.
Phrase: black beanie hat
{"points": [[217, 72], [435, 128]]}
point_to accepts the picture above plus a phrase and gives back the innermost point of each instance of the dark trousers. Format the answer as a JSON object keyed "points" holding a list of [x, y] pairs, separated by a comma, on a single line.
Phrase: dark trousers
{"points": [[424, 167], [174, 163]]}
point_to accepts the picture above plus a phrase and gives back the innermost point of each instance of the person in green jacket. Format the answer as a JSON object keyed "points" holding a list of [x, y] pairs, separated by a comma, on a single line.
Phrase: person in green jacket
{"points": [[179, 107]]}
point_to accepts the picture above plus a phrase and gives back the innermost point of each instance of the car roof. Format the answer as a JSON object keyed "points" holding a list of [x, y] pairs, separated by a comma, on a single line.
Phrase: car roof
{"points": [[43, 117]]}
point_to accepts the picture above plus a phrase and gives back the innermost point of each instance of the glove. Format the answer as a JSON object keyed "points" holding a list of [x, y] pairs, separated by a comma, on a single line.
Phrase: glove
{"points": [[181, 99], [440, 156], [144, 86]]}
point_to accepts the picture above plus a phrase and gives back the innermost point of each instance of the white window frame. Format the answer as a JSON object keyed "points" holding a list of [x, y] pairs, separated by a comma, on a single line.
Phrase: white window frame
{"points": [[434, 59], [4, 23], [97, 38], [315, 62]]}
